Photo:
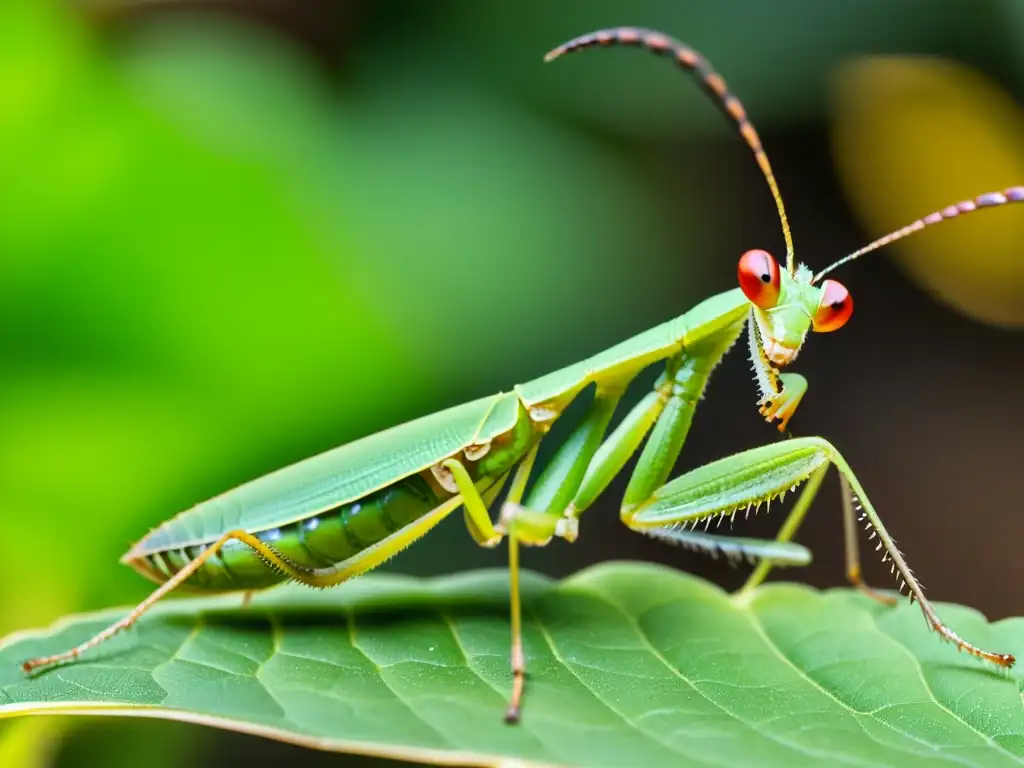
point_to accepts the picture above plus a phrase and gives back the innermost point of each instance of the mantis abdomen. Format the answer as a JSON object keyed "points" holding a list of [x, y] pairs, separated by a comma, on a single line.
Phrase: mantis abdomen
{"points": [[333, 538], [319, 541]]}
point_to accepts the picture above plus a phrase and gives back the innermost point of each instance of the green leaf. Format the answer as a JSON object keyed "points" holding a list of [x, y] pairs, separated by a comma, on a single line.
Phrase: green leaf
{"points": [[629, 665]]}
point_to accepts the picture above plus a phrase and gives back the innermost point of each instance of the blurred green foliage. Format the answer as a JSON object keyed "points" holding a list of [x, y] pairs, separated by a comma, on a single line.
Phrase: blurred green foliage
{"points": [[164, 304]]}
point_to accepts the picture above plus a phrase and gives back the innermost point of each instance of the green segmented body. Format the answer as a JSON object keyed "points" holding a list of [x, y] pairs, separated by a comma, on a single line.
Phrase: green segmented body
{"points": [[317, 541], [337, 525], [328, 509]]}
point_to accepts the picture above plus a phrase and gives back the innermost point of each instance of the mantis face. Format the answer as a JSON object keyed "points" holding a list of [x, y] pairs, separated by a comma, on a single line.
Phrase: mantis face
{"points": [[786, 306]]}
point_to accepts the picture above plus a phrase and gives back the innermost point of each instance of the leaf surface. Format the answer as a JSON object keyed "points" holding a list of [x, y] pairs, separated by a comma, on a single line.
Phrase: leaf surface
{"points": [[629, 665]]}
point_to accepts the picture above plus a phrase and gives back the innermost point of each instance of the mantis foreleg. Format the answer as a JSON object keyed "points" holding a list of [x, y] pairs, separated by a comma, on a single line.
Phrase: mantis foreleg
{"points": [[669, 410]]}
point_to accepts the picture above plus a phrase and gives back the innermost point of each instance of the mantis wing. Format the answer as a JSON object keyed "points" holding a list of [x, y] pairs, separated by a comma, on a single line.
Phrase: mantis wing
{"points": [[338, 476]]}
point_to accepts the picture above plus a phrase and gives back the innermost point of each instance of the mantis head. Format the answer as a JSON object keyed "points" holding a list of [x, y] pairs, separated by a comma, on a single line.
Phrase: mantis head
{"points": [[786, 306], [785, 302]]}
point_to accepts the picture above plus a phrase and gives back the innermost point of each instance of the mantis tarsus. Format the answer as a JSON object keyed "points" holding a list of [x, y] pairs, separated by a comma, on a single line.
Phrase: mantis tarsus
{"points": [[336, 515]]}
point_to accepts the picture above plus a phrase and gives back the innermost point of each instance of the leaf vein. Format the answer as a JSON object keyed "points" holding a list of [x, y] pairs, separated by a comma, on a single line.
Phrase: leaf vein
{"points": [[351, 626], [935, 700], [758, 627], [502, 695], [622, 716], [648, 642]]}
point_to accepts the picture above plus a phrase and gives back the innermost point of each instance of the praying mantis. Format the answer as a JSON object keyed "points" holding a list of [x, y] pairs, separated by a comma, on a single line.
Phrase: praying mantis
{"points": [[337, 515]]}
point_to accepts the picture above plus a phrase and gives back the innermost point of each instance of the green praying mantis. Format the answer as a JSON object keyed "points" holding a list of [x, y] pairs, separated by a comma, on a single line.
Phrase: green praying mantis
{"points": [[334, 516]]}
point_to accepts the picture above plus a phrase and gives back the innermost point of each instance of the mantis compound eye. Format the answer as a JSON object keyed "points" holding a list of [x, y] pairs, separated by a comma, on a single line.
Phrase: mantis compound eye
{"points": [[759, 278], [835, 307]]}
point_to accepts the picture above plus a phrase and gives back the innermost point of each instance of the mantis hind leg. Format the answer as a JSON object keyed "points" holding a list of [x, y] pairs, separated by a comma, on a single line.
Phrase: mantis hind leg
{"points": [[759, 475], [323, 577], [477, 521], [160, 592]]}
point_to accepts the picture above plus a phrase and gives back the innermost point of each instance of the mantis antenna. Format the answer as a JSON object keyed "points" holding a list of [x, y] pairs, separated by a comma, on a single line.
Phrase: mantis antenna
{"points": [[691, 61], [987, 200]]}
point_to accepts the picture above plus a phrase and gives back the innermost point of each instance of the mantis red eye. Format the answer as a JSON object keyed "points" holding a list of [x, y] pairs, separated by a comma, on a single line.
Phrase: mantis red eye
{"points": [[835, 307], [759, 278]]}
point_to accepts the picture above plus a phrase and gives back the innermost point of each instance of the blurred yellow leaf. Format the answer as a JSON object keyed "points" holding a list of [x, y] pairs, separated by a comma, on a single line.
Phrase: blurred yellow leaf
{"points": [[912, 135], [31, 742]]}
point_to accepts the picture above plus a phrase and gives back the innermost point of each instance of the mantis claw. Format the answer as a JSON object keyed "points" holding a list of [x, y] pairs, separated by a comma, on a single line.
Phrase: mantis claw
{"points": [[783, 405]]}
